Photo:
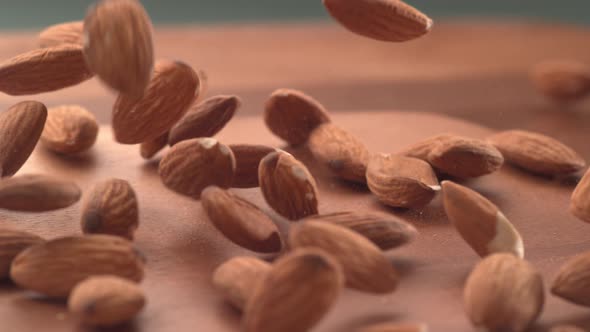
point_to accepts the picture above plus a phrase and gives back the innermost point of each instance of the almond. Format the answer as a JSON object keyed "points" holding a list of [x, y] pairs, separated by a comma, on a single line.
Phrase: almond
{"points": [[240, 221], [287, 186], [481, 224], [69, 129], [205, 119], [385, 231], [44, 70], [292, 115], [562, 80], [111, 208], [192, 165], [12, 242], [151, 147], [395, 327], [580, 200], [366, 268], [248, 158], [168, 96], [63, 33], [295, 294], [537, 153], [55, 267], [344, 154], [400, 181], [118, 45], [422, 148], [464, 157], [573, 280], [503, 293], [237, 278], [566, 328], [106, 300], [20, 128], [37, 193], [384, 20]]}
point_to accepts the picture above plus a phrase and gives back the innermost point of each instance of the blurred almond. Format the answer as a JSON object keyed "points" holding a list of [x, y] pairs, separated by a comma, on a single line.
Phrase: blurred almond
{"points": [[167, 98], [55, 267], [111, 208], [537, 153], [192, 165], [248, 157], [295, 294], [44, 70], [287, 186], [37, 193], [400, 181], [69, 129], [12, 242], [238, 277], [365, 267], [422, 148], [118, 45], [580, 200], [20, 129], [292, 115], [151, 147], [205, 119], [562, 80], [572, 282], [62, 33], [465, 157], [395, 327], [481, 224], [384, 20], [106, 300], [385, 231], [503, 293], [240, 221], [344, 154]]}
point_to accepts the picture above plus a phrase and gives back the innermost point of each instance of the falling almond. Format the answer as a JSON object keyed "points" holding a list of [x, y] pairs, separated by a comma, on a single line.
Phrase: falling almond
{"points": [[580, 200], [562, 80], [62, 33], [572, 282], [237, 278]]}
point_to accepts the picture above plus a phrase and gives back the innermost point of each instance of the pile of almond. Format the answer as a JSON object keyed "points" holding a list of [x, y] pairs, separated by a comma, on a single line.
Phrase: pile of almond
{"points": [[161, 103]]}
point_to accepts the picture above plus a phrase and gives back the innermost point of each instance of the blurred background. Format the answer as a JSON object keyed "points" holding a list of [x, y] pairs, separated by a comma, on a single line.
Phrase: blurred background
{"points": [[21, 14]]}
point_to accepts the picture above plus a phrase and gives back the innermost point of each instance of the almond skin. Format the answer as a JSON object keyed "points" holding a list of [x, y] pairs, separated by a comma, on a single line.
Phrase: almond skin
{"points": [[111, 208], [385, 231], [248, 157], [20, 129], [562, 80], [168, 96], [237, 278], [55, 267], [69, 129], [296, 293], [118, 45], [44, 70], [106, 300], [400, 181], [62, 33], [151, 147], [422, 148], [481, 224], [240, 221], [572, 282], [12, 242], [503, 293], [292, 115], [287, 186], [37, 193], [205, 119], [395, 327], [465, 157], [192, 165], [344, 154], [366, 268], [384, 20], [580, 200], [537, 153]]}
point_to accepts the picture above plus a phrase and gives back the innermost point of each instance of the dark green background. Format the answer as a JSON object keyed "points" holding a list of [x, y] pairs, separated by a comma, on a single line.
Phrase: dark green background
{"points": [[38, 13]]}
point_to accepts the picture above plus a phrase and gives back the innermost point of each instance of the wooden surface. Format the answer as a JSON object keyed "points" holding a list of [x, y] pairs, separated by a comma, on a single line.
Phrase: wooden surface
{"points": [[474, 72]]}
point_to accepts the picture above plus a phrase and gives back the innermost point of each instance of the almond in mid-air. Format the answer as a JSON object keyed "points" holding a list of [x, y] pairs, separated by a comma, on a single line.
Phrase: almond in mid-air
{"points": [[69, 129]]}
